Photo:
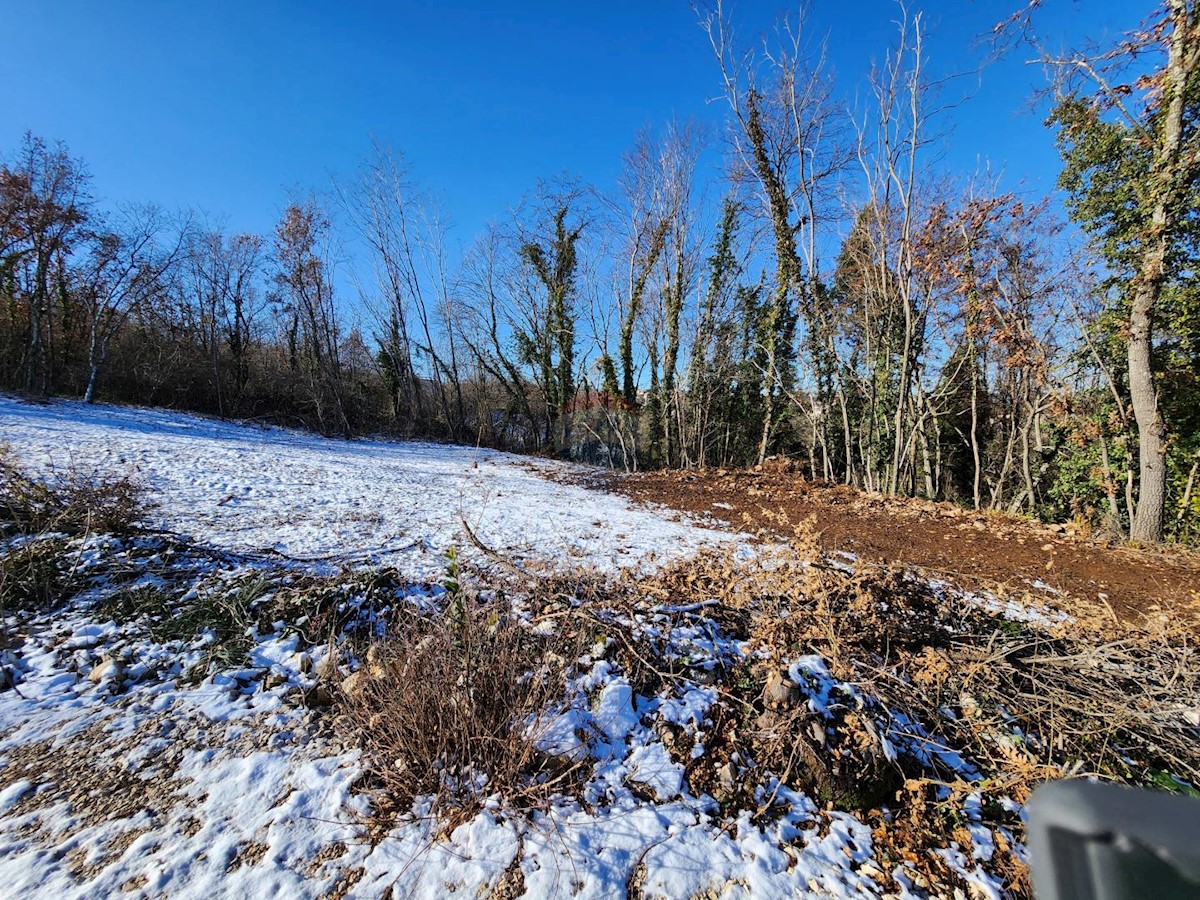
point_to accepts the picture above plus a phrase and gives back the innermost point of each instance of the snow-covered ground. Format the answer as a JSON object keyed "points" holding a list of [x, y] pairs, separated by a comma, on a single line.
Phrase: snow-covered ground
{"points": [[252, 490], [122, 772], [130, 781]]}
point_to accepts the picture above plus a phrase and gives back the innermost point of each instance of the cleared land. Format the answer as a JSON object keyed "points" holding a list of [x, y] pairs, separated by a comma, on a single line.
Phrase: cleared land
{"points": [[327, 668], [945, 541]]}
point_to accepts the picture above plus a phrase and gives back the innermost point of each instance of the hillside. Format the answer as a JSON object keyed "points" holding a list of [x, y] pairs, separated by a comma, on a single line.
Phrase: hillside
{"points": [[277, 663]]}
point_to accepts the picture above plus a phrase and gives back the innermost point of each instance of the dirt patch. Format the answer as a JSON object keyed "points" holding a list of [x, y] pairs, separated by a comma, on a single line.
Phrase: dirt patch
{"points": [[968, 548], [249, 853], [90, 773]]}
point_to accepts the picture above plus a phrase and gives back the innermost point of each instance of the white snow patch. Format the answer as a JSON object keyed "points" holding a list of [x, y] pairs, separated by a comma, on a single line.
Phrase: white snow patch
{"points": [[250, 489]]}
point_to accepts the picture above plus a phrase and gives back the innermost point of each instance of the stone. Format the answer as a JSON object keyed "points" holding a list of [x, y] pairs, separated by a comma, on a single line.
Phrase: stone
{"points": [[108, 669], [727, 778], [780, 691], [376, 664], [354, 685]]}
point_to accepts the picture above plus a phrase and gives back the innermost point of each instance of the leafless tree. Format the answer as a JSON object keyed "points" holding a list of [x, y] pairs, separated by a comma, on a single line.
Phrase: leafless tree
{"points": [[129, 261]]}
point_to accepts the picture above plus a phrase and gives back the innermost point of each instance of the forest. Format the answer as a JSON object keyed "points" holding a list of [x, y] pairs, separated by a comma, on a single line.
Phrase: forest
{"points": [[834, 298]]}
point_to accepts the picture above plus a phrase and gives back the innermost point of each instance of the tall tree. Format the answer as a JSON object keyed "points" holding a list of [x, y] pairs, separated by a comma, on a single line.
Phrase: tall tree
{"points": [[129, 261], [789, 145], [221, 273], [549, 342], [46, 200], [306, 292], [1128, 120]]}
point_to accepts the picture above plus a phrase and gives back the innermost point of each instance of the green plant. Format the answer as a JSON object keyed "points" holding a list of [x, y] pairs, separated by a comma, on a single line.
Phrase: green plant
{"points": [[223, 612], [451, 581]]}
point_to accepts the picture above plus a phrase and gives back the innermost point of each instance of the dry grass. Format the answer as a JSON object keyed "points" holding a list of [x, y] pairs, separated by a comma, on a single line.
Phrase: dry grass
{"points": [[35, 569], [1023, 701], [449, 706], [74, 503]]}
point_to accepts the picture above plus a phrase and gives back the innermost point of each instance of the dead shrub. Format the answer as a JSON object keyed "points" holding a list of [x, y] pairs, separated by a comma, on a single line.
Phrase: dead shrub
{"points": [[450, 707], [73, 503], [980, 704], [33, 575]]}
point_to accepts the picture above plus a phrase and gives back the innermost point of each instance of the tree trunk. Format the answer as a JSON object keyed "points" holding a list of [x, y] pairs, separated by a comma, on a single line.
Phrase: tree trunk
{"points": [[1170, 174], [1152, 430]]}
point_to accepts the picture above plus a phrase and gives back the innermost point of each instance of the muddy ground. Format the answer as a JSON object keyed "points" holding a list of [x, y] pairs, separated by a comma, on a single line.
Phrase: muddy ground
{"points": [[968, 548]]}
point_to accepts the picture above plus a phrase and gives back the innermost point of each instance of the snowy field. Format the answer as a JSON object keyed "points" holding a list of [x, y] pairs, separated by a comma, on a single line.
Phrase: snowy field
{"points": [[130, 765], [256, 490]]}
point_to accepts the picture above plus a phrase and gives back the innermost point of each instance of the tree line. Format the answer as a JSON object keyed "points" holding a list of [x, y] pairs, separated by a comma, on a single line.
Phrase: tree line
{"points": [[834, 297]]}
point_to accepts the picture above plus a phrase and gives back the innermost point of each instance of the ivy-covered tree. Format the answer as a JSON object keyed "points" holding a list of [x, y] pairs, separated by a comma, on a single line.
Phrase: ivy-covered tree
{"points": [[1131, 149], [549, 340]]}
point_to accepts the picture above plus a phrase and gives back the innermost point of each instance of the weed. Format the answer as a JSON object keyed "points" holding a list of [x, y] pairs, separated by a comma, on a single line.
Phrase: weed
{"points": [[453, 712], [129, 604], [452, 582], [34, 575], [222, 613], [75, 503]]}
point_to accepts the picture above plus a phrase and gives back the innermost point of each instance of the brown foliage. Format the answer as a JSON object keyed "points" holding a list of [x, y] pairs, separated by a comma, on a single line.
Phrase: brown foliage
{"points": [[74, 503], [449, 706]]}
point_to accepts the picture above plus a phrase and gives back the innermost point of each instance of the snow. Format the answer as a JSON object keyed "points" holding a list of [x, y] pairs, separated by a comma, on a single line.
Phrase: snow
{"points": [[244, 797], [253, 490], [135, 777]]}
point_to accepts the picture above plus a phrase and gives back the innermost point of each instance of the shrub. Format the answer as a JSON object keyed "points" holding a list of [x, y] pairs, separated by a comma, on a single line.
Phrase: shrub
{"points": [[75, 503], [449, 707]]}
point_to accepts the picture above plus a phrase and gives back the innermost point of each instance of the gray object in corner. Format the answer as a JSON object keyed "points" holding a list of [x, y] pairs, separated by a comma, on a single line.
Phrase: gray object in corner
{"points": [[1091, 841]]}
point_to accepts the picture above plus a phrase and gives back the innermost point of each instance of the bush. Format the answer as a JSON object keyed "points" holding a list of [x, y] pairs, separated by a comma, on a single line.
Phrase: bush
{"points": [[75, 503], [449, 706]]}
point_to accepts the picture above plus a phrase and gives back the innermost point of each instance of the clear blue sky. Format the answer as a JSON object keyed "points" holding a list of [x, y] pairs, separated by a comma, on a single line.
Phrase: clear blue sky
{"points": [[230, 106]]}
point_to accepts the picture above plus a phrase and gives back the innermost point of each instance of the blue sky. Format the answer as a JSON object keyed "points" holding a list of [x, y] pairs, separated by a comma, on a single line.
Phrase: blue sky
{"points": [[232, 106]]}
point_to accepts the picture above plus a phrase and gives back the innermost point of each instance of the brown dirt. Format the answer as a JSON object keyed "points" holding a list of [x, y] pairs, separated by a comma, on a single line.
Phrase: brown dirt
{"points": [[964, 547]]}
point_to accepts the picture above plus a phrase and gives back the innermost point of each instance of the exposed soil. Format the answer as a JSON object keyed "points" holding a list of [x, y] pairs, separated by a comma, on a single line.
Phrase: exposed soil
{"points": [[962, 546]]}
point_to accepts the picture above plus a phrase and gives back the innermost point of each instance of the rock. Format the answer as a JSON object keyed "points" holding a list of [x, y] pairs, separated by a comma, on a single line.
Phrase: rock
{"points": [[727, 778], [327, 668], [376, 664], [355, 684], [319, 696], [780, 691], [108, 669], [767, 725]]}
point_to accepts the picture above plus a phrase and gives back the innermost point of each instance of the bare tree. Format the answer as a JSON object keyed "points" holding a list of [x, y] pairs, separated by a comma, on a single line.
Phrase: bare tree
{"points": [[407, 238], [789, 141], [221, 273], [129, 261], [46, 203], [302, 260], [486, 318]]}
